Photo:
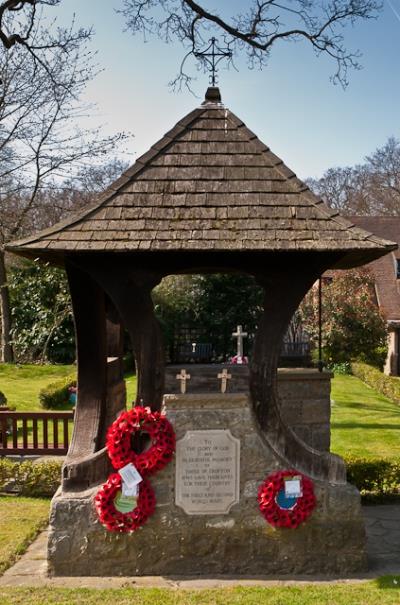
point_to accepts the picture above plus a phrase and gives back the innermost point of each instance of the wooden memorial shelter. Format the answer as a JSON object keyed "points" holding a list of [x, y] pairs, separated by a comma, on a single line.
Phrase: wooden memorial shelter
{"points": [[208, 197]]}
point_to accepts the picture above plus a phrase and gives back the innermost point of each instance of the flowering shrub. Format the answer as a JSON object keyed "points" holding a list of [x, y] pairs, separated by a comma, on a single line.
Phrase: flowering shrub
{"points": [[352, 325]]}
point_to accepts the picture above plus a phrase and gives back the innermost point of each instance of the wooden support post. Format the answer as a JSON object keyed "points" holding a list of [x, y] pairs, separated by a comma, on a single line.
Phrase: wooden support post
{"points": [[90, 327]]}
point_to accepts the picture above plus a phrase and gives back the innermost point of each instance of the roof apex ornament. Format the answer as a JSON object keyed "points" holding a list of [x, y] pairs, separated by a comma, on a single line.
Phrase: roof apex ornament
{"points": [[212, 56], [213, 95]]}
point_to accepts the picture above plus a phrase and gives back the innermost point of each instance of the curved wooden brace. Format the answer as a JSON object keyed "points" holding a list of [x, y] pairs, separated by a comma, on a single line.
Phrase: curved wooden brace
{"points": [[283, 294], [101, 388]]}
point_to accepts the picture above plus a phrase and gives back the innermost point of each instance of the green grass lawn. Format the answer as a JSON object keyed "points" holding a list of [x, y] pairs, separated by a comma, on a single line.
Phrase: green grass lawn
{"points": [[381, 592], [21, 383], [131, 382], [364, 423], [20, 521]]}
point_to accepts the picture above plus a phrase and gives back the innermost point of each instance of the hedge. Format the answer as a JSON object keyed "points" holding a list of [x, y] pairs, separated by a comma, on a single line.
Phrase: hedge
{"points": [[56, 394], [386, 385], [28, 478], [377, 479]]}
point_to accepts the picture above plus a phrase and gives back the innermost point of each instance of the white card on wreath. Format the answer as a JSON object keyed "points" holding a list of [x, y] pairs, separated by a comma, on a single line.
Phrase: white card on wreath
{"points": [[293, 487], [130, 475], [130, 491]]}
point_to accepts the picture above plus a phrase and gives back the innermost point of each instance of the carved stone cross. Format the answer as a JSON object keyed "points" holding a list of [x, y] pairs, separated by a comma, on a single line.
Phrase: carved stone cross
{"points": [[240, 337], [224, 376], [183, 377]]}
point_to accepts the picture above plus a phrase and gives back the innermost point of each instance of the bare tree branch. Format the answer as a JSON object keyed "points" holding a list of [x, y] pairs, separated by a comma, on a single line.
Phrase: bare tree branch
{"points": [[256, 31], [43, 71], [372, 188]]}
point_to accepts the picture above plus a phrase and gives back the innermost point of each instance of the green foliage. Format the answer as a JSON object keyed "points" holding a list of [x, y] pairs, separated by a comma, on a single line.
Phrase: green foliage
{"points": [[32, 479], [41, 314], [377, 479], [341, 369], [213, 304], [387, 385], [56, 394], [353, 328], [3, 398]]}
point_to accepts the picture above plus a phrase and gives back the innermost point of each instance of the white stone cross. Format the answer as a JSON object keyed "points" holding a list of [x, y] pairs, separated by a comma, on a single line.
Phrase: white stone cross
{"points": [[224, 376], [240, 337], [183, 377]]}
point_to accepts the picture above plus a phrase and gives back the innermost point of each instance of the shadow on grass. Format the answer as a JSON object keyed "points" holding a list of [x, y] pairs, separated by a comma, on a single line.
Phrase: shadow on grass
{"points": [[355, 405], [371, 425], [392, 582]]}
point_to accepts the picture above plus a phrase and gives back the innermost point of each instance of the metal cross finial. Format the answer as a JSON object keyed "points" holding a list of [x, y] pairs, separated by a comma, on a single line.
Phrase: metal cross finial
{"points": [[212, 55]]}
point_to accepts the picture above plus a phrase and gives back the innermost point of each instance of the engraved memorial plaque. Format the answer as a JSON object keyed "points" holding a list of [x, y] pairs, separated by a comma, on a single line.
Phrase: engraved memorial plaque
{"points": [[207, 472]]}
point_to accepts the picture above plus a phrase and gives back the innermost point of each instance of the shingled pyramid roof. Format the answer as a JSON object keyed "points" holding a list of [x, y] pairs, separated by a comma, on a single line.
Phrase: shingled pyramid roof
{"points": [[208, 184]]}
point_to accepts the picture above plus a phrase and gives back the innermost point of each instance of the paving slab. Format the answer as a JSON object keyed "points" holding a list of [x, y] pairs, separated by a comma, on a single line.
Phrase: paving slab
{"points": [[383, 542]]}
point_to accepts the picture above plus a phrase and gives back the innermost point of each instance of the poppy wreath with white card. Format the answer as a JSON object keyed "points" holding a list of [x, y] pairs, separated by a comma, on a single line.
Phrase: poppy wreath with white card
{"points": [[108, 505], [286, 498], [127, 500]]}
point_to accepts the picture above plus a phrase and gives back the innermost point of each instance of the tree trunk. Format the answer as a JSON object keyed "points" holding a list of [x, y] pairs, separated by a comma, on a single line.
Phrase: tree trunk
{"points": [[6, 351]]}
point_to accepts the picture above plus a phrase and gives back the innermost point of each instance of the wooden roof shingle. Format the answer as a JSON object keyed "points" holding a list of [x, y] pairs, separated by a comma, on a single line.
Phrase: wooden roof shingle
{"points": [[208, 184]]}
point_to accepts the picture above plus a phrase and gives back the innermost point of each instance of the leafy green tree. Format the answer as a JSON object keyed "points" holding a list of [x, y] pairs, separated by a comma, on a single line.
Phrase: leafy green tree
{"points": [[41, 312], [213, 304], [352, 325]]}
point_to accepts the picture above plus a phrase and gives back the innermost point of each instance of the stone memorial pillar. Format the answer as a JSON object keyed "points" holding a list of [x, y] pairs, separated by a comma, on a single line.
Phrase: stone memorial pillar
{"points": [[207, 520]]}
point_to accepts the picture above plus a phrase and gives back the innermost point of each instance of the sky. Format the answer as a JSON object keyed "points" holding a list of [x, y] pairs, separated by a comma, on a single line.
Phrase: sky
{"points": [[291, 104]]}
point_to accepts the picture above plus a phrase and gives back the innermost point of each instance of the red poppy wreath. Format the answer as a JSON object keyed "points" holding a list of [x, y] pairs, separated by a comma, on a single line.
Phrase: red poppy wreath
{"points": [[140, 420], [126, 522], [281, 510], [116, 511]]}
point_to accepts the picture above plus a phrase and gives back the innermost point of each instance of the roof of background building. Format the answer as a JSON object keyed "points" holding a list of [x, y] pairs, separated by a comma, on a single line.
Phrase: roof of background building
{"points": [[384, 269]]}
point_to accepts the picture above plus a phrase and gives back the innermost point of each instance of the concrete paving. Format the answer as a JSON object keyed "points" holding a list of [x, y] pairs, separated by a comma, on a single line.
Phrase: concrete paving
{"points": [[383, 540]]}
